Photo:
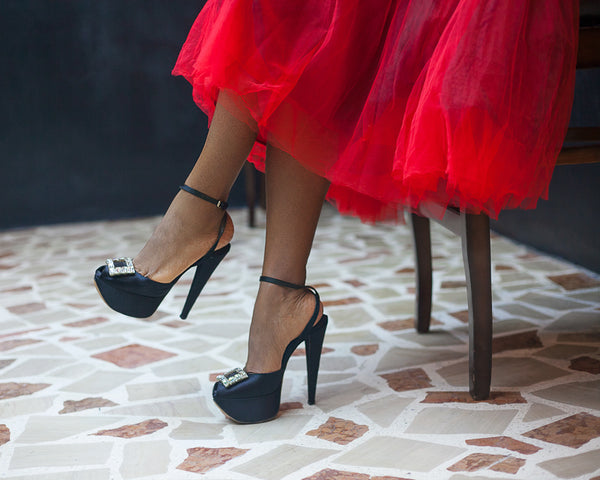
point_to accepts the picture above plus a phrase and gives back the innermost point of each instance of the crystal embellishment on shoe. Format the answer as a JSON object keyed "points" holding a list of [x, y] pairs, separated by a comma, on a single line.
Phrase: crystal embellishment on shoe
{"points": [[120, 266], [233, 377]]}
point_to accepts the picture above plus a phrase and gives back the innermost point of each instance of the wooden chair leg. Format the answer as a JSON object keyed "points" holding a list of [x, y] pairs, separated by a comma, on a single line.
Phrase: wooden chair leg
{"points": [[422, 241], [475, 235]]}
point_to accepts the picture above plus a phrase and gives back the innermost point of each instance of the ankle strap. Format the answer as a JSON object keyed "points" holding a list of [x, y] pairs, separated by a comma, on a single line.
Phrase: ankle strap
{"points": [[281, 283], [220, 204]]}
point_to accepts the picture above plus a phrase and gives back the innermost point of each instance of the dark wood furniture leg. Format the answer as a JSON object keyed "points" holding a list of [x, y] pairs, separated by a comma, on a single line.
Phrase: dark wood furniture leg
{"points": [[422, 241], [475, 236]]}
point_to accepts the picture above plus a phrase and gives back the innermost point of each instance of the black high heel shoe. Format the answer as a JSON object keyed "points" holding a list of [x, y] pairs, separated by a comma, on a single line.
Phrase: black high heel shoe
{"points": [[255, 397], [130, 293]]}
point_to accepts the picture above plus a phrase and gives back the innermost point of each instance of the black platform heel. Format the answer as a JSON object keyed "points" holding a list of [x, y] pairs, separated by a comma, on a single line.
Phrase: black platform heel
{"points": [[130, 293], [255, 397]]}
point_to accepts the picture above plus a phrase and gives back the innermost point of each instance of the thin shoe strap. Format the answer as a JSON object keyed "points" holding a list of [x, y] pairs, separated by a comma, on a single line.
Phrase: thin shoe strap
{"points": [[281, 283], [219, 203]]}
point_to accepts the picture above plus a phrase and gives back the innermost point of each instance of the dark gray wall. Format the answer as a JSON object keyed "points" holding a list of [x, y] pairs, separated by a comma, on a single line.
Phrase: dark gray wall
{"points": [[92, 124], [568, 223]]}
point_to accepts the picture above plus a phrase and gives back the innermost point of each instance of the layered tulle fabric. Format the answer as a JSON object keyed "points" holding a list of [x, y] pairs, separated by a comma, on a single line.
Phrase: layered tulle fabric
{"points": [[399, 103]]}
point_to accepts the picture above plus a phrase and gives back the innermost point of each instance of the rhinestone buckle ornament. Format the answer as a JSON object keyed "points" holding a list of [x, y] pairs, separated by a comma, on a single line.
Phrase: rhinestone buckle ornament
{"points": [[233, 377], [120, 266]]}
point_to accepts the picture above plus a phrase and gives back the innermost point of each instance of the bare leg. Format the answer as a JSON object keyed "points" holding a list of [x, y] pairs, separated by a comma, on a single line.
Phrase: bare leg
{"points": [[294, 200], [190, 225]]}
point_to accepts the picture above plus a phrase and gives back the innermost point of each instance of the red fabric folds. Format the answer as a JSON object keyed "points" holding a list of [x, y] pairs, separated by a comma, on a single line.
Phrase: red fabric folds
{"points": [[399, 103]]}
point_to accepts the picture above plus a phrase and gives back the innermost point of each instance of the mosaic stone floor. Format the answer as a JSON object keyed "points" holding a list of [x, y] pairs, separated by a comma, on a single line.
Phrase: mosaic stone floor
{"points": [[88, 394]]}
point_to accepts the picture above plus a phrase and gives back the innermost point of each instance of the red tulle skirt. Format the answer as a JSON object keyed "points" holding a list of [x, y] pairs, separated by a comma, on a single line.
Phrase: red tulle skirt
{"points": [[398, 103]]}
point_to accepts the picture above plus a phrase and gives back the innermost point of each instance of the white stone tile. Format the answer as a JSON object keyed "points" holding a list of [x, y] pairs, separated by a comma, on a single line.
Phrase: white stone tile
{"points": [[51, 428], [397, 307], [44, 349], [100, 382], [61, 455], [197, 431], [290, 458], [25, 406], [582, 394], [180, 408], [384, 411], [444, 420], [398, 358], [574, 465], [191, 366], [538, 411], [577, 322], [331, 397], [141, 459], [400, 454], [169, 388], [286, 427], [506, 372], [34, 366], [101, 343], [87, 474], [554, 302]]}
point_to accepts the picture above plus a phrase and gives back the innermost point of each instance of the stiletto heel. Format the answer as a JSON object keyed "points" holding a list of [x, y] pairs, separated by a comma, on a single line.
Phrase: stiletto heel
{"points": [[255, 397], [130, 293], [204, 270], [314, 346]]}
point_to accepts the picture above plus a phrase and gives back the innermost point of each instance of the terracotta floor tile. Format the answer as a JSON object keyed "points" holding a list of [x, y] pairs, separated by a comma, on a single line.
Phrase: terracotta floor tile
{"points": [[27, 308], [365, 350], [573, 431], [574, 281], [201, 460], [12, 389], [395, 325], [462, 315], [453, 284], [505, 442], [586, 364], [501, 268], [411, 379], [406, 270], [138, 430], [10, 344], [69, 339], [4, 434], [86, 323], [476, 461], [290, 406], [516, 341], [339, 431], [301, 352], [132, 356], [510, 465], [330, 474], [341, 301], [176, 324], [70, 406], [496, 398], [355, 283]]}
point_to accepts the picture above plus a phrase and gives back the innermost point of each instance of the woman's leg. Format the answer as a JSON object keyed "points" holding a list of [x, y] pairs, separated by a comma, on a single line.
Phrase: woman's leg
{"points": [[294, 200], [190, 225]]}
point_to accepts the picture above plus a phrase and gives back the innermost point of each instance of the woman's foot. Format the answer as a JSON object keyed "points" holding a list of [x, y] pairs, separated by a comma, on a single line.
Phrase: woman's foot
{"points": [[280, 315], [186, 232]]}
